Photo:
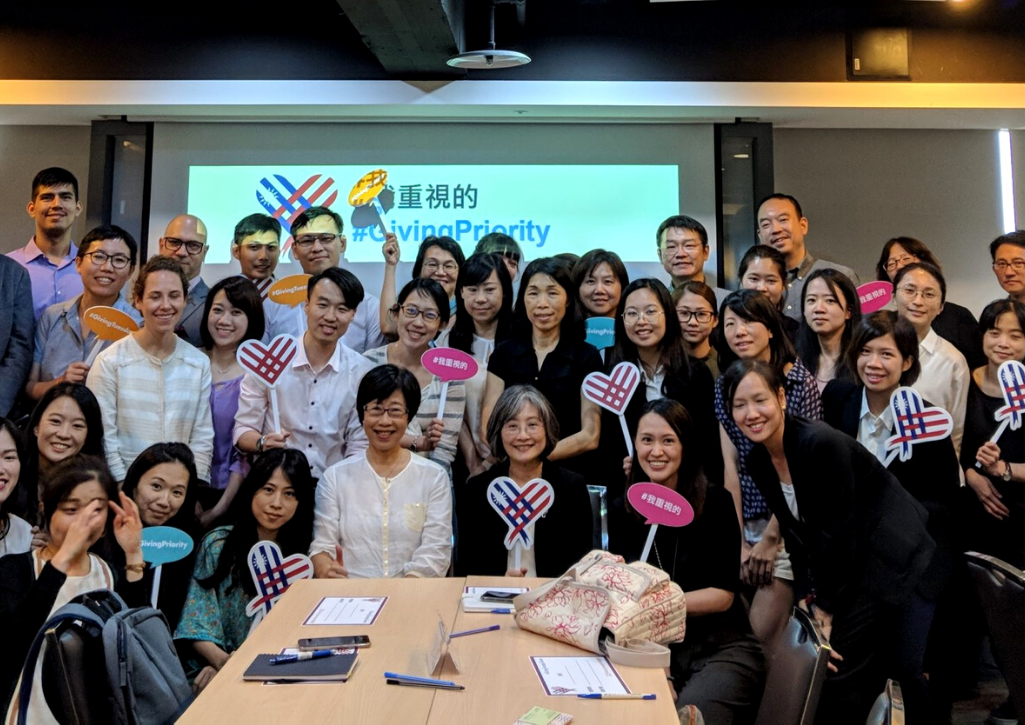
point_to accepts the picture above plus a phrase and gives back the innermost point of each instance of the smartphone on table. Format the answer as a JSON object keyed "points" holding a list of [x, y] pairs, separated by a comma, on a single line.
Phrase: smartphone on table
{"points": [[501, 597], [318, 643]]}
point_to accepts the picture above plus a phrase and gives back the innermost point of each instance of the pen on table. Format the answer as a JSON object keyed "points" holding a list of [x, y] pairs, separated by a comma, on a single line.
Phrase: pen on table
{"points": [[409, 683], [492, 628], [608, 696], [301, 656], [498, 611], [421, 680]]}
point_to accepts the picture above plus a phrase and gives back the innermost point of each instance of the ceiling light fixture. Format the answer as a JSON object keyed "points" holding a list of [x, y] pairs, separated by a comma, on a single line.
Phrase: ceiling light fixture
{"points": [[492, 58]]}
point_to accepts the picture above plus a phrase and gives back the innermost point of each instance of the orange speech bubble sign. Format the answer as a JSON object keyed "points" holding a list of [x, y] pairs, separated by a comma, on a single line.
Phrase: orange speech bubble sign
{"points": [[109, 323], [368, 187], [289, 291]]}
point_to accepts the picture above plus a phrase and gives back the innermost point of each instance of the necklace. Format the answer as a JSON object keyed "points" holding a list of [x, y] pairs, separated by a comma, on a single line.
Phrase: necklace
{"points": [[676, 550], [6, 528]]}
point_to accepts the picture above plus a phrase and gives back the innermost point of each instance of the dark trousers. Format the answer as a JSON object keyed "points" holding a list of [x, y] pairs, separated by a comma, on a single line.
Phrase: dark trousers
{"points": [[909, 638], [724, 681]]}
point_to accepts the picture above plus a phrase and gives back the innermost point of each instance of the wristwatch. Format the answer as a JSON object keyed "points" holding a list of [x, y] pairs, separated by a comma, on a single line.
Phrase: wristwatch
{"points": [[1007, 471], [259, 444], [412, 446]]}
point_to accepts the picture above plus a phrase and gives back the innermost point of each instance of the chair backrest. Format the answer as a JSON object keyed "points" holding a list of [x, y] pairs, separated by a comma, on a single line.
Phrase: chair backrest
{"points": [[796, 674], [1001, 589], [889, 706], [599, 513]]}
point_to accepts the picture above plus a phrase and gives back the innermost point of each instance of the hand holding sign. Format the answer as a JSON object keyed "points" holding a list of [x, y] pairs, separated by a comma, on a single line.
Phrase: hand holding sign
{"points": [[874, 296], [107, 323], [659, 506], [520, 508], [448, 364], [1012, 384], [268, 363], [915, 423], [273, 574], [613, 392], [163, 545]]}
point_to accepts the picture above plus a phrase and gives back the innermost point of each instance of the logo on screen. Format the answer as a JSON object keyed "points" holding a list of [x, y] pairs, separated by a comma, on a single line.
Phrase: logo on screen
{"points": [[284, 201]]}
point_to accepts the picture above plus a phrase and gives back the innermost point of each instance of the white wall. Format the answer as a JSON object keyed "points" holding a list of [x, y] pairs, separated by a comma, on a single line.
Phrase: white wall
{"points": [[26, 150], [859, 188]]}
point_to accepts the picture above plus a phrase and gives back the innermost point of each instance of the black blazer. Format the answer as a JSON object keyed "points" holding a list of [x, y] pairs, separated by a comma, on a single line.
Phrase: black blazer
{"points": [[561, 537], [17, 331], [859, 528], [931, 475]]}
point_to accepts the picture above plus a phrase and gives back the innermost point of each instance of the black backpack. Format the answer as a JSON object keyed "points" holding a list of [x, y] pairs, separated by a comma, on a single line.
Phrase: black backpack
{"points": [[106, 663]]}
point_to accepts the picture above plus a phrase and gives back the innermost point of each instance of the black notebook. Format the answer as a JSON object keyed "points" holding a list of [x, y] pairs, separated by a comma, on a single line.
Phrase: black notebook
{"points": [[336, 668]]}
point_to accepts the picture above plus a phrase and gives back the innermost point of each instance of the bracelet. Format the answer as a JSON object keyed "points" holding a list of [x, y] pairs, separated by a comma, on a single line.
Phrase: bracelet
{"points": [[136, 568]]}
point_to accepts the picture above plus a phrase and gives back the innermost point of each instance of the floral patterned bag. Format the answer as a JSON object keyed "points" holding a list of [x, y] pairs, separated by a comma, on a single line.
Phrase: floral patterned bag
{"points": [[626, 611]]}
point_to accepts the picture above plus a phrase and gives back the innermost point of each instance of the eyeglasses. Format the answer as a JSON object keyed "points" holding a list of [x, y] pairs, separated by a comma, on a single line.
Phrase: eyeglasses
{"points": [[431, 266], [410, 312], [906, 259], [191, 248], [670, 248], [307, 240], [1018, 265], [631, 316], [702, 316], [377, 411], [117, 261], [910, 292]]}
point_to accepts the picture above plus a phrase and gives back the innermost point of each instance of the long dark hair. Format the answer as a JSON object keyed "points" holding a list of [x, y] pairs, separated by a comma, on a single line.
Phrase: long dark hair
{"points": [[16, 499], [690, 480], [472, 274], [586, 265], [294, 537], [572, 327], [673, 353], [241, 295], [156, 454], [753, 306], [808, 342], [62, 479]]}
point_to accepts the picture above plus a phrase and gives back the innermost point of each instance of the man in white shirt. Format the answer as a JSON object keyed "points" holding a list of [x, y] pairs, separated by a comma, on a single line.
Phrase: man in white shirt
{"points": [[318, 243], [185, 240], [682, 244], [257, 246], [920, 292], [317, 393], [782, 226]]}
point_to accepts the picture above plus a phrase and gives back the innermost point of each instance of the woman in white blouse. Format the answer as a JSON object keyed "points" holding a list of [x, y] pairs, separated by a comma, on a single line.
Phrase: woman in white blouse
{"points": [[384, 512], [152, 386]]}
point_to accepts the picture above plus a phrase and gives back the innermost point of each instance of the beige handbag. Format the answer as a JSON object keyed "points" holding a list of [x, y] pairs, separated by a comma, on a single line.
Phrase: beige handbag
{"points": [[626, 611]]}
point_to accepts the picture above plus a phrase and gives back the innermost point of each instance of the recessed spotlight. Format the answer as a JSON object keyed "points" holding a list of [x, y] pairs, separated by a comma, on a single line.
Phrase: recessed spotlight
{"points": [[741, 156]]}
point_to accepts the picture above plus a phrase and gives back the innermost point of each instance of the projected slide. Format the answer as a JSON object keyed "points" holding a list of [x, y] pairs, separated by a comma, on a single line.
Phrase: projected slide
{"points": [[547, 209]]}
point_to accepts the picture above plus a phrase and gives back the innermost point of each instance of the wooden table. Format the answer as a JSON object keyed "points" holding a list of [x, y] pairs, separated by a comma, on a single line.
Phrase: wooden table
{"points": [[495, 666], [501, 683]]}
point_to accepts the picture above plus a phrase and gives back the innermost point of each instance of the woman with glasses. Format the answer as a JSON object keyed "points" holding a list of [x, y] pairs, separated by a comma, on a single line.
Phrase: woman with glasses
{"points": [[106, 259], [420, 312], [439, 259], [384, 512], [696, 311], [920, 291], [764, 269], [955, 323]]}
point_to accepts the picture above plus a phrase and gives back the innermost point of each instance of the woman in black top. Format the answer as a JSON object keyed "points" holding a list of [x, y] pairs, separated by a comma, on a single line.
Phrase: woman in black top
{"points": [[548, 351], [522, 431], [719, 667], [857, 540]]}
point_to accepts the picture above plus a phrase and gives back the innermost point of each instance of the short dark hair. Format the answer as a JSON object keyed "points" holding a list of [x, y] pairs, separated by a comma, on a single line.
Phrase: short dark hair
{"points": [[910, 245], [1017, 238], [155, 455], [881, 324], [306, 217], [54, 176], [346, 281], [382, 381], [681, 222], [508, 407], [241, 293], [62, 479], [449, 244], [255, 224], [994, 310], [158, 264], [690, 481], [475, 272], [700, 289], [572, 327], [782, 197], [497, 242], [808, 347], [107, 232], [430, 288], [739, 370], [930, 269], [586, 265], [763, 251], [753, 306]]}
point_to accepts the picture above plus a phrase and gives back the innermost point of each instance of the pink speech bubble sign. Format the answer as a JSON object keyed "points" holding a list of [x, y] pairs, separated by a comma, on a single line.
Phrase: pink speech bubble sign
{"points": [[449, 364], [874, 296], [660, 505]]}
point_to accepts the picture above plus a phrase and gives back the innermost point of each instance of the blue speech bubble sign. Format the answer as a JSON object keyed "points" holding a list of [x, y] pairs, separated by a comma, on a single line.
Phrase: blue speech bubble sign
{"points": [[601, 332], [164, 544]]}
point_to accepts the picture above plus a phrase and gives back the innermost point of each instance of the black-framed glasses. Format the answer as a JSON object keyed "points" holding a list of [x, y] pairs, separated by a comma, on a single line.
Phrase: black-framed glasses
{"points": [[117, 261], [191, 248], [306, 241], [1018, 265], [702, 316], [410, 312], [902, 261]]}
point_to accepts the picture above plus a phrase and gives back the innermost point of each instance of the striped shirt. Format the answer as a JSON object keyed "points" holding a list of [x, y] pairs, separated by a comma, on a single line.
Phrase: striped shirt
{"points": [[146, 400], [455, 405]]}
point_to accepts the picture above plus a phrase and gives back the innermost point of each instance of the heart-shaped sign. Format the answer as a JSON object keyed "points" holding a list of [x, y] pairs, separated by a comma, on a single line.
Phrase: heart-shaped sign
{"points": [[109, 323], [874, 296], [268, 362], [273, 574], [1012, 383], [449, 363], [915, 423], [613, 392], [520, 508]]}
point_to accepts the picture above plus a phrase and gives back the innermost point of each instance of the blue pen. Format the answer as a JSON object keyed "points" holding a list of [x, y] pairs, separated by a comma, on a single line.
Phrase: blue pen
{"points": [[285, 659], [492, 628], [609, 696], [499, 611], [424, 680]]}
